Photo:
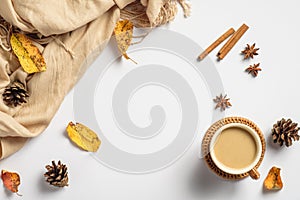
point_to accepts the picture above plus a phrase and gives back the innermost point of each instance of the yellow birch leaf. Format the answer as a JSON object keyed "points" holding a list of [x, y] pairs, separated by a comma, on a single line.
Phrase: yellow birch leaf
{"points": [[123, 33], [83, 137], [28, 54]]}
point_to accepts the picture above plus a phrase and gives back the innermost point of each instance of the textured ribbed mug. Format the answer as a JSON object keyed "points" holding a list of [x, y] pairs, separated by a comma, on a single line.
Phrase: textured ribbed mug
{"points": [[250, 168]]}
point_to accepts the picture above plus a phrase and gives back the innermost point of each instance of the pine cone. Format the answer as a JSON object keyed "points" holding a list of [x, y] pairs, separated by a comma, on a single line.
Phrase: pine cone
{"points": [[15, 94], [284, 131], [57, 175]]}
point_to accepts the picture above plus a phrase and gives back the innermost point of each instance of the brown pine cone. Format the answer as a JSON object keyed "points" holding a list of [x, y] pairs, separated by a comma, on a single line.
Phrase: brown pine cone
{"points": [[15, 94], [57, 175], [284, 131]]}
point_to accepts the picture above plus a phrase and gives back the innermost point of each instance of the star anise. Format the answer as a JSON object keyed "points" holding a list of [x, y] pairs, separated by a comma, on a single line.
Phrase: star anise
{"points": [[253, 69], [250, 51], [222, 102]]}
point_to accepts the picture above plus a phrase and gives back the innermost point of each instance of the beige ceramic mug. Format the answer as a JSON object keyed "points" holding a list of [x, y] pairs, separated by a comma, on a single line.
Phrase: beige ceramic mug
{"points": [[236, 148]]}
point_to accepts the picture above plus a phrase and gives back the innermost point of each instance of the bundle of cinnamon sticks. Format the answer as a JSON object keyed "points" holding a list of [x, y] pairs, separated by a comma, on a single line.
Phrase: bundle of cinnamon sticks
{"points": [[235, 36]]}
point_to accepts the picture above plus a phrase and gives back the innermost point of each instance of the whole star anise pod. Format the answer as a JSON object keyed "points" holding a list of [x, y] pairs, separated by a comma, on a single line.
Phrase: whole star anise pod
{"points": [[222, 102], [253, 69], [250, 51]]}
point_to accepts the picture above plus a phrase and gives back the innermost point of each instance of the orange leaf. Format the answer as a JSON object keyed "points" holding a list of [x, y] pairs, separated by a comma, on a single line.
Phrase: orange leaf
{"points": [[11, 180], [123, 33], [273, 180]]}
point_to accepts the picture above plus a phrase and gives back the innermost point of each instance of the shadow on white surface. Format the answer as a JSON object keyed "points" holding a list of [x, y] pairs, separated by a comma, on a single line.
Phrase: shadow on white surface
{"points": [[8, 194], [45, 188], [205, 183]]}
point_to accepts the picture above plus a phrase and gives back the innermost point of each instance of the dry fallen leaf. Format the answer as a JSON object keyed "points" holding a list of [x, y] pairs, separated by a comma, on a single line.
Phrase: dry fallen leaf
{"points": [[273, 180], [11, 180], [28, 54], [83, 136], [123, 32]]}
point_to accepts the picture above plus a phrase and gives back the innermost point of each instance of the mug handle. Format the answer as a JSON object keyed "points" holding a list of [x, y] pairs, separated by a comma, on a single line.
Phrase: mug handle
{"points": [[254, 174]]}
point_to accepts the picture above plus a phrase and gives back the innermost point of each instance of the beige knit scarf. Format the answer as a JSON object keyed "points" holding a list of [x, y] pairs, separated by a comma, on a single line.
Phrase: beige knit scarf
{"points": [[66, 33]]}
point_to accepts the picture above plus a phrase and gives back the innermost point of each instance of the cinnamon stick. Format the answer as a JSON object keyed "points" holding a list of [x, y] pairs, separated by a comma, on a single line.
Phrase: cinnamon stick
{"points": [[216, 43], [232, 41]]}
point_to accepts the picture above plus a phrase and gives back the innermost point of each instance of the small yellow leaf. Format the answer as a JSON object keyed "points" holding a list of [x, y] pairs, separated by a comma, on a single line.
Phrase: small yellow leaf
{"points": [[123, 33], [28, 54], [11, 180], [83, 137]]}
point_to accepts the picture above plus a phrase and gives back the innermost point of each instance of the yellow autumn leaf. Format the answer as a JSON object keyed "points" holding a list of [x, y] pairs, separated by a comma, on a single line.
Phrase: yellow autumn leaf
{"points": [[83, 137], [28, 54], [123, 33]]}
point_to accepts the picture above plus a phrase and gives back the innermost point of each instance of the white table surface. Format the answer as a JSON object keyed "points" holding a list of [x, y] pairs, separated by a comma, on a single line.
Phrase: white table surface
{"points": [[274, 26]]}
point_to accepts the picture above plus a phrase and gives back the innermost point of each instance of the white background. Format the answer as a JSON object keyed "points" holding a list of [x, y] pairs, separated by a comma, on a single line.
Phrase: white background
{"points": [[274, 26]]}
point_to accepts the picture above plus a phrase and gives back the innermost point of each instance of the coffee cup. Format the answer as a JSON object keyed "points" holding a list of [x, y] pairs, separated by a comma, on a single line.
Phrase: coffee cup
{"points": [[236, 148]]}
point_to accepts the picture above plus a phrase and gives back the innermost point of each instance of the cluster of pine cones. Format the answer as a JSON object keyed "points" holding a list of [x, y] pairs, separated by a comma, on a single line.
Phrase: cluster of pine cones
{"points": [[15, 95]]}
